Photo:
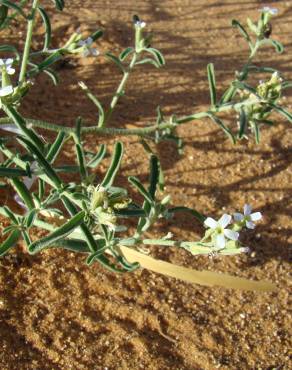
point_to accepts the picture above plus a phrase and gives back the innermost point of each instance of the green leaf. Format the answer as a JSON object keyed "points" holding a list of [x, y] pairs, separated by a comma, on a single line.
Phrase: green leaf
{"points": [[56, 147], [74, 245], [29, 219], [242, 123], [125, 53], [31, 136], [51, 59], [10, 215], [3, 14], [241, 29], [157, 55], [59, 4], [23, 192], [256, 131], [114, 166], [116, 61], [282, 111], [12, 172], [228, 95], [48, 169], [95, 160], [277, 45], [136, 182], [48, 28], [13, 6], [130, 213], [10, 49], [96, 102], [96, 35], [60, 233], [199, 216], [212, 83], [10, 242], [81, 161], [227, 131], [286, 85], [154, 176], [261, 69], [148, 61]]}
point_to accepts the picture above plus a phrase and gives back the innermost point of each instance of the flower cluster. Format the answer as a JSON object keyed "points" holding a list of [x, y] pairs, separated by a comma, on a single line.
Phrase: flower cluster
{"points": [[220, 235]]}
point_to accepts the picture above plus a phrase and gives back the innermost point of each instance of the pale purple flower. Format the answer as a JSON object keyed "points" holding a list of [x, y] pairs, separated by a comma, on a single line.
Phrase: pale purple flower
{"points": [[88, 50], [247, 216], [219, 228], [140, 24], [7, 64], [5, 91], [267, 9]]}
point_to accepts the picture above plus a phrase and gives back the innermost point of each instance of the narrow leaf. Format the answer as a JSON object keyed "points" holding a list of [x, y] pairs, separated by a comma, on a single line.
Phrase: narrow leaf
{"points": [[94, 162], [154, 175], [13, 6], [134, 181], [282, 111], [242, 123], [116, 61], [212, 83], [10, 242], [241, 29], [56, 147], [227, 131], [125, 53], [114, 166], [23, 192], [157, 55], [48, 29], [60, 233]]}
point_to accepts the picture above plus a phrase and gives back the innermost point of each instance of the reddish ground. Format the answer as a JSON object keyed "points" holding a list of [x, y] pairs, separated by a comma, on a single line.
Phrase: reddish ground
{"points": [[57, 313]]}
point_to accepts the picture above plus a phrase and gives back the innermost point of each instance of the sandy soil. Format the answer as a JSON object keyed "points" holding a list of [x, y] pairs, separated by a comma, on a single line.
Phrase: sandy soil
{"points": [[56, 313]]}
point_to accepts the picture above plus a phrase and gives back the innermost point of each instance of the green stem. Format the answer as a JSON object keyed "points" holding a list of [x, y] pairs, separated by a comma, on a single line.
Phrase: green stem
{"points": [[108, 131], [120, 89], [26, 51]]}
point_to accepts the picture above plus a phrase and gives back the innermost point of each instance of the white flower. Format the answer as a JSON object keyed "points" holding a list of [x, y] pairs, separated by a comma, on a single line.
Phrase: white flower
{"points": [[88, 50], [220, 229], [247, 216], [5, 91], [7, 65], [267, 9], [140, 24]]}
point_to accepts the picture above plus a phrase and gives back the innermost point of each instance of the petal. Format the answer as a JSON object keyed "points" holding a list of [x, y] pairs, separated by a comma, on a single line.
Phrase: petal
{"points": [[256, 216], [10, 128], [250, 225], [231, 234], [89, 41], [8, 62], [7, 90], [94, 52], [210, 222], [10, 71], [19, 201], [247, 209], [220, 241], [224, 220], [238, 216]]}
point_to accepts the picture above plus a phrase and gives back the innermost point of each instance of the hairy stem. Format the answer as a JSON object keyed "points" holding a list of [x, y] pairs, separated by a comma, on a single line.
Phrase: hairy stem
{"points": [[120, 89], [26, 51]]}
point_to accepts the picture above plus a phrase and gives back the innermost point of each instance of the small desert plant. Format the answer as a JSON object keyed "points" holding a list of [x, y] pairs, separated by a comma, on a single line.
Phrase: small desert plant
{"points": [[89, 221]]}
